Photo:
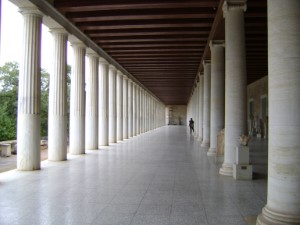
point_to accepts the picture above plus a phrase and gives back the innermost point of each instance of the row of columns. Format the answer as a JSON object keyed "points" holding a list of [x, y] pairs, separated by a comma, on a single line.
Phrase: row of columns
{"points": [[105, 105], [219, 100]]}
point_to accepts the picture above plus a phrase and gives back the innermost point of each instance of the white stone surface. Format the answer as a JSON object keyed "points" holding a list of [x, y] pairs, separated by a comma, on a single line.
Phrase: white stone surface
{"points": [[242, 172], [242, 155], [201, 91], [29, 93], [112, 105], [125, 107], [130, 105], [206, 104], [103, 103], [217, 101], [77, 101], [57, 113], [5, 150], [235, 81], [91, 116], [119, 106], [134, 108], [283, 203]]}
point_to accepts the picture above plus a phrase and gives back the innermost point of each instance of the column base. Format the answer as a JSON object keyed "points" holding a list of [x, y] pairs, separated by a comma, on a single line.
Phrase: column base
{"points": [[212, 152], [269, 217], [205, 144], [226, 170]]}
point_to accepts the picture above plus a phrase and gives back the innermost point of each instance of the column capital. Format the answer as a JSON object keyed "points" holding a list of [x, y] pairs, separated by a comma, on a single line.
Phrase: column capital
{"points": [[30, 11], [206, 62], [112, 67], [125, 77], [58, 30], [102, 61], [230, 5], [76, 42], [119, 73], [216, 43], [91, 53]]}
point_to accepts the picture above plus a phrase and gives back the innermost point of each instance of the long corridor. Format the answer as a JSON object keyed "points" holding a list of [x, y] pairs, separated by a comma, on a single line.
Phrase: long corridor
{"points": [[162, 177]]}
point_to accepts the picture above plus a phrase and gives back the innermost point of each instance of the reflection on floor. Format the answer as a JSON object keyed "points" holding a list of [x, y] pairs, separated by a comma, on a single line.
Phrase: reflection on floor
{"points": [[158, 178]]}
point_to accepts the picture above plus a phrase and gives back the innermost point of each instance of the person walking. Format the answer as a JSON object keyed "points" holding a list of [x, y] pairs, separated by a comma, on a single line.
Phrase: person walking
{"points": [[191, 125]]}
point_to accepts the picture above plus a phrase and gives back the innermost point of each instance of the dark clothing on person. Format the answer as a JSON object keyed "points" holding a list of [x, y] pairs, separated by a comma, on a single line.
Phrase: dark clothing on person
{"points": [[191, 124]]}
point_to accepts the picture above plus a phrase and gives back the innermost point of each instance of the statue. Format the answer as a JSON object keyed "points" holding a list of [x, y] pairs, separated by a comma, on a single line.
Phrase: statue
{"points": [[244, 140]]}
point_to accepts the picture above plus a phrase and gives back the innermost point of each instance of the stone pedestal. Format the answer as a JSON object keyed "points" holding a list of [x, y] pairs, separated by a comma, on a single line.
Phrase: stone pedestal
{"points": [[103, 103], [241, 169], [5, 150], [29, 93], [220, 148], [235, 80], [242, 155], [57, 113]]}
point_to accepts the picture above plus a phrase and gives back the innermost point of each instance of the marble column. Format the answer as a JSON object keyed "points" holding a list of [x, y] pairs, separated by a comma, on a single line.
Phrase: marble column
{"points": [[112, 105], [200, 115], [57, 114], [206, 104], [29, 100], [235, 81], [130, 115], [103, 103], [134, 109], [92, 86], [119, 106], [283, 202], [217, 101], [125, 107], [137, 110], [77, 100]]}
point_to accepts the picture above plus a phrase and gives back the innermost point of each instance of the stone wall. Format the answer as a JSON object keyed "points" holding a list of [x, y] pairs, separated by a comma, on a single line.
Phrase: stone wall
{"points": [[176, 114], [257, 102]]}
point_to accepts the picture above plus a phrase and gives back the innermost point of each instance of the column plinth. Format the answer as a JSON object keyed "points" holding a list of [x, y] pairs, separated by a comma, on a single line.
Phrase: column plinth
{"points": [[29, 93], [57, 114], [235, 81], [103, 103], [77, 101]]}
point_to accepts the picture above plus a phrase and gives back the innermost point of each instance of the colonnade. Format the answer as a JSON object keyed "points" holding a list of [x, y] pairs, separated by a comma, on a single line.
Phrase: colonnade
{"points": [[106, 106], [228, 103]]}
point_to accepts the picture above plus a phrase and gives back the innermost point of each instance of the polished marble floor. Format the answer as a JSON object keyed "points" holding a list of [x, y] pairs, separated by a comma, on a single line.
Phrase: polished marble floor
{"points": [[158, 178]]}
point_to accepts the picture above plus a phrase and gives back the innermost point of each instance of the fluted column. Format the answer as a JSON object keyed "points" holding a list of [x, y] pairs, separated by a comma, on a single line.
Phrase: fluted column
{"points": [[125, 107], [92, 86], [137, 110], [103, 103], [206, 104], [77, 100], [29, 101], [119, 106], [283, 202], [235, 81], [112, 105], [134, 109], [130, 115], [57, 114], [200, 115], [217, 112]]}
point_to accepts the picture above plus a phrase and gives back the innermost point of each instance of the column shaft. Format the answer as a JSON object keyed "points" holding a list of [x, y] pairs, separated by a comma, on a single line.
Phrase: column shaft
{"points": [[57, 115], [217, 112], [283, 203], [29, 100], [130, 115], [112, 105], [77, 101], [206, 104], [103, 103], [200, 119], [134, 109], [91, 118], [119, 106], [235, 80], [125, 107]]}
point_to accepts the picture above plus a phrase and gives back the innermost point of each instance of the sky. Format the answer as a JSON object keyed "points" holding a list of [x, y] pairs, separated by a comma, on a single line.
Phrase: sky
{"points": [[11, 38]]}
